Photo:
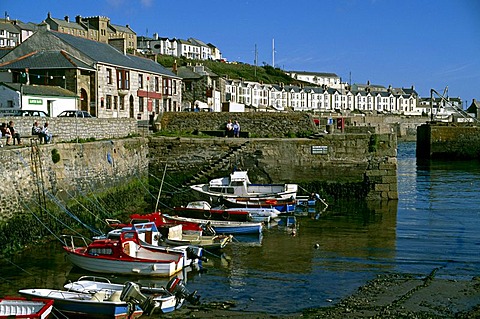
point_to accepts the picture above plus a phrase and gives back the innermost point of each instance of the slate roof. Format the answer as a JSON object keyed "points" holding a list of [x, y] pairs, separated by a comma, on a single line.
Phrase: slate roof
{"points": [[41, 90], [68, 24], [48, 60], [9, 28], [105, 53]]}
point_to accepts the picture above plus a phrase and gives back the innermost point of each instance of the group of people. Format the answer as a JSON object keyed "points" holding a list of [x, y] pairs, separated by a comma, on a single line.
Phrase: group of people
{"points": [[8, 130], [42, 132], [232, 129], [12, 135]]}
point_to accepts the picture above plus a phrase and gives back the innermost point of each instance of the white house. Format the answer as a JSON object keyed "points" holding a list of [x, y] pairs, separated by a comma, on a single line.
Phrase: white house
{"points": [[51, 99]]}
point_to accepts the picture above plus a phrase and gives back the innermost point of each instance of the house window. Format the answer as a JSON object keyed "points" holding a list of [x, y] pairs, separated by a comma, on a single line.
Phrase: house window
{"points": [[140, 81], [109, 102], [175, 87], [122, 103], [141, 104], [123, 79], [109, 76], [157, 84], [115, 102]]}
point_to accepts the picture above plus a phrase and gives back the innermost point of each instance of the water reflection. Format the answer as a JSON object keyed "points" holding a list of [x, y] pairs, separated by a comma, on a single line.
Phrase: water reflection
{"points": [[434, 224]]}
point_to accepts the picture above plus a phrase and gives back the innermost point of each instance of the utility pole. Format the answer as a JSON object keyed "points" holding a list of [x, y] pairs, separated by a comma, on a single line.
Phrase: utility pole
{"points": [[256, 60], [273, 53]]}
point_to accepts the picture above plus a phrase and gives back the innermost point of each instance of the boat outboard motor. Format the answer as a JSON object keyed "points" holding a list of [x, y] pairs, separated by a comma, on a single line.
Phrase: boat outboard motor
{"points": [[191, 254], [177, 287], [132, 295]]}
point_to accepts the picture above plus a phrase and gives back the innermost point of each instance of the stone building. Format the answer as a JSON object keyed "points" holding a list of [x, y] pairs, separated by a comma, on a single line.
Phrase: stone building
{"points": [[108, 82], [95, 28]]}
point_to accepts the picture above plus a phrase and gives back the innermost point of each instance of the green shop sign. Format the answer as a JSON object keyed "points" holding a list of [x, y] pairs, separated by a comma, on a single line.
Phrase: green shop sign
{"points": [[35, 101]]}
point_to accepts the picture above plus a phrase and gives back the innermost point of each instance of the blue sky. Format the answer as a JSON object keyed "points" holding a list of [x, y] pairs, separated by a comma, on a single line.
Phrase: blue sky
{"points": [[427, 44]]}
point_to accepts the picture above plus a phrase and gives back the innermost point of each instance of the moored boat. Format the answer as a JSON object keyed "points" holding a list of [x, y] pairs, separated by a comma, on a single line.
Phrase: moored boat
{"points": [[163, 300], [23, 308], [203, 210], [224, 227], [176, 237], [127, 255], [238, 185], [284, 205], [100, 304]]}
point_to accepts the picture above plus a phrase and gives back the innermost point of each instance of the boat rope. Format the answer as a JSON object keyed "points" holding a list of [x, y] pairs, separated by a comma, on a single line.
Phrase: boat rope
{"points": [[12, 263], [72, 215], [55, 199]]}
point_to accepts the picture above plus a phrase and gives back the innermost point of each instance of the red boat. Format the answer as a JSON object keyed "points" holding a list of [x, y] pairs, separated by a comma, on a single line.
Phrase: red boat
{"points": [[20, 307], [156, 218], [203, 210]]}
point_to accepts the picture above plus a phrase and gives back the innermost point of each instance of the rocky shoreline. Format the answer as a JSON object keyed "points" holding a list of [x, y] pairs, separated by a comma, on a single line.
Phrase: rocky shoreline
{"points": [[387, 296]]}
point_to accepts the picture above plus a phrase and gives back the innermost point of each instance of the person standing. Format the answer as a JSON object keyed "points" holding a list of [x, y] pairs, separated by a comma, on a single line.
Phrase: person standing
{"points": [[229, 129], [236, 129]]}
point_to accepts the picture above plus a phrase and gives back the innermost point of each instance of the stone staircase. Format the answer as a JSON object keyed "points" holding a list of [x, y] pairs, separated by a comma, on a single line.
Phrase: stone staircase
{"points": [[221, 163]]}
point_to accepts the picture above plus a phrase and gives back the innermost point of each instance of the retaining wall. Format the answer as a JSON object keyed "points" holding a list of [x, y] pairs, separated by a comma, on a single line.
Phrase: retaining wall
{"points": [[448, 141], [81, 168]]}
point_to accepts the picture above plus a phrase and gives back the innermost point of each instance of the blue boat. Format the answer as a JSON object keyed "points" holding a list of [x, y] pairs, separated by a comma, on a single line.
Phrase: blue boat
{"points": [[223, 226]]}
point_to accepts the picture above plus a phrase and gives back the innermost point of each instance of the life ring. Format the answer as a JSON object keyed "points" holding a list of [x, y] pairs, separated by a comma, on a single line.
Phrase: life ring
{"points": [[226, 215], [207, 214]]}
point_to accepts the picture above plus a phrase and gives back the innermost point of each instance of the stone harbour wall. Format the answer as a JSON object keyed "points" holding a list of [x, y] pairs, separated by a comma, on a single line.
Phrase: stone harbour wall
{"points": [[257, 124], [69, 129], [366, 160], [448, 141], [76, 167]]}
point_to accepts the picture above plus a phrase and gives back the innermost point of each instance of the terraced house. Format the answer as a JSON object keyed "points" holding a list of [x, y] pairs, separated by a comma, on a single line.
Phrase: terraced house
{"points": [[109, 82]]}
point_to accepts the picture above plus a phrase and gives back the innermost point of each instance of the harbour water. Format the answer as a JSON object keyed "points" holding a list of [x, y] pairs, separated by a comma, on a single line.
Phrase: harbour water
{"points": [[433, 226]]}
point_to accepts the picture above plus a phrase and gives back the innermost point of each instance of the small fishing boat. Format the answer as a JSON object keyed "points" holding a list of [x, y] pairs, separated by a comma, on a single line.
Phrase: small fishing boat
{"points": [[224, 227], [149, 235], [260, 214], [164, 300], [87, 298], [128, 255], [176, 237], [156, 217], [23, 308], [283, 205], [238, 185], [100, 304], [203, 209]]}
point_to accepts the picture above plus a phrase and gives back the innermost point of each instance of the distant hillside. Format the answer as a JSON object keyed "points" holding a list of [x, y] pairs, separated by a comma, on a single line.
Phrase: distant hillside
{"points": [[247, 72]]}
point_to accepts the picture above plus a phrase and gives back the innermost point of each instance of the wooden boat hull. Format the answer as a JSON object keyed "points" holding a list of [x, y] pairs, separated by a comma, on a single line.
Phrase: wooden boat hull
{"points": [[83, 304], [22, 308]]}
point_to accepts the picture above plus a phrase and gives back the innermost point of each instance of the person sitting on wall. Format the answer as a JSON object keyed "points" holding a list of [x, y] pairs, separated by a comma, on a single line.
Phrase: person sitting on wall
{"points": [[15, 135], [6, 132]]}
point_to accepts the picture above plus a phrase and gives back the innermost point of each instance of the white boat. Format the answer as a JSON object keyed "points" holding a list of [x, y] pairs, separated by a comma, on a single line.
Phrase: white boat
{"points": [[99, 305], [164, 300], [91, 298], [238, 185], [23, 308], [128, 255]]}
